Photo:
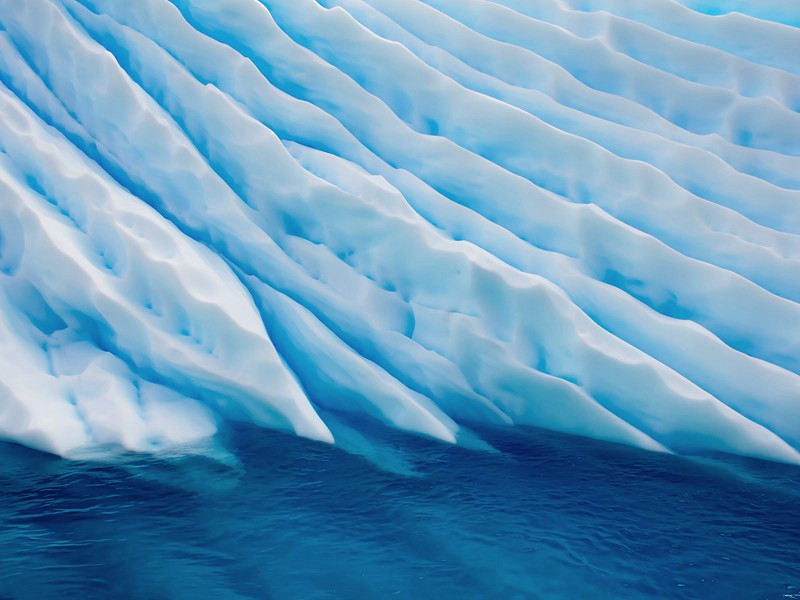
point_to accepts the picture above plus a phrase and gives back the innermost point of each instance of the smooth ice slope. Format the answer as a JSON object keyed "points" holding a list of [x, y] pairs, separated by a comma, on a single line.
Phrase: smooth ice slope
{"points": [[577, 215]]}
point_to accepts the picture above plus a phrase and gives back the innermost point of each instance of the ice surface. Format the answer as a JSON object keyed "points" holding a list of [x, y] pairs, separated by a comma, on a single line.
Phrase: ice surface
{"points": [[576, 215]]}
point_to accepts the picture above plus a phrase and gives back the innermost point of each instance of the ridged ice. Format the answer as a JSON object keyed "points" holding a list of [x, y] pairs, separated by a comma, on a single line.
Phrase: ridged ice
{"points": [[582, 215]]}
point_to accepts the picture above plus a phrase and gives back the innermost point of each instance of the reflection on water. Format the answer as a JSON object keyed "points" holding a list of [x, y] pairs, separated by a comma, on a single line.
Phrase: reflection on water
{"points": [[546, 516]]}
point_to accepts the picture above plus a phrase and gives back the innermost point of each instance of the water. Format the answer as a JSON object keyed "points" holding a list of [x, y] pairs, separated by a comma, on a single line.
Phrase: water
{"points": [[547, 516]]}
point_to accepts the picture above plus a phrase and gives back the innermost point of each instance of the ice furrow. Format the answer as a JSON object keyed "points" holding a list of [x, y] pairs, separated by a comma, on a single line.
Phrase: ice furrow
{"points": [[689, 60], [757, 122], [695, 169], [769, 43]]}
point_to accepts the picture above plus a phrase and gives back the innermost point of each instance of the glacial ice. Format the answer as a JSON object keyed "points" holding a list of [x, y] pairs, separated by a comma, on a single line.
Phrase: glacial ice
{"points": [[580, 215]]}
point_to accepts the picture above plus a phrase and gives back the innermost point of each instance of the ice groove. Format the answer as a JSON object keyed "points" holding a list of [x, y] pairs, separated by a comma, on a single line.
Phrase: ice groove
{"points": [[437, 215]]}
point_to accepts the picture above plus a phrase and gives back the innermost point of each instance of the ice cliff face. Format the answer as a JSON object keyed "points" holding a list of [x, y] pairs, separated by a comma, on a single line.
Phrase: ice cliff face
{"points": [[582, 215]]}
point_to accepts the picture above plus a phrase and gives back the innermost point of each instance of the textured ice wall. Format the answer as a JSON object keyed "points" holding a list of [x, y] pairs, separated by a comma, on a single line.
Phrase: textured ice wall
{"points": [[581, 215]]}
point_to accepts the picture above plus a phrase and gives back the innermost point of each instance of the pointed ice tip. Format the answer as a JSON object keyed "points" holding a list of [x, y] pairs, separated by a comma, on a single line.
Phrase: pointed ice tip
{"points": [[314, 430], [447, 436], [785, 454]]}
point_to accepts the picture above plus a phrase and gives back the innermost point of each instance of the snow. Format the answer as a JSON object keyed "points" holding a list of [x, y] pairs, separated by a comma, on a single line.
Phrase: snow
{"points": [[438, 215]]}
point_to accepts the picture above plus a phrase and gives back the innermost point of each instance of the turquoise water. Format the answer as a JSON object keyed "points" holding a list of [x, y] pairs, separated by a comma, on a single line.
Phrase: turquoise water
{"points": [[546, 516]]}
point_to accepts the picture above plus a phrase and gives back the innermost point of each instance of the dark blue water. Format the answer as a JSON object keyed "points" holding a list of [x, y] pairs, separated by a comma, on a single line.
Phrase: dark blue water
{"points": [[547, 516]]}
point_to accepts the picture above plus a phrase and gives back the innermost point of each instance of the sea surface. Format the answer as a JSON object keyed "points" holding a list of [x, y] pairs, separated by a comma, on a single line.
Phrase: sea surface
{"points": [[541, 516]]}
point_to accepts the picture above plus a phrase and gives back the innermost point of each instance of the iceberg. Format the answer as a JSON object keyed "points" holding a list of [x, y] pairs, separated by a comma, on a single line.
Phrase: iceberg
{"points": [[578, 215]]}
